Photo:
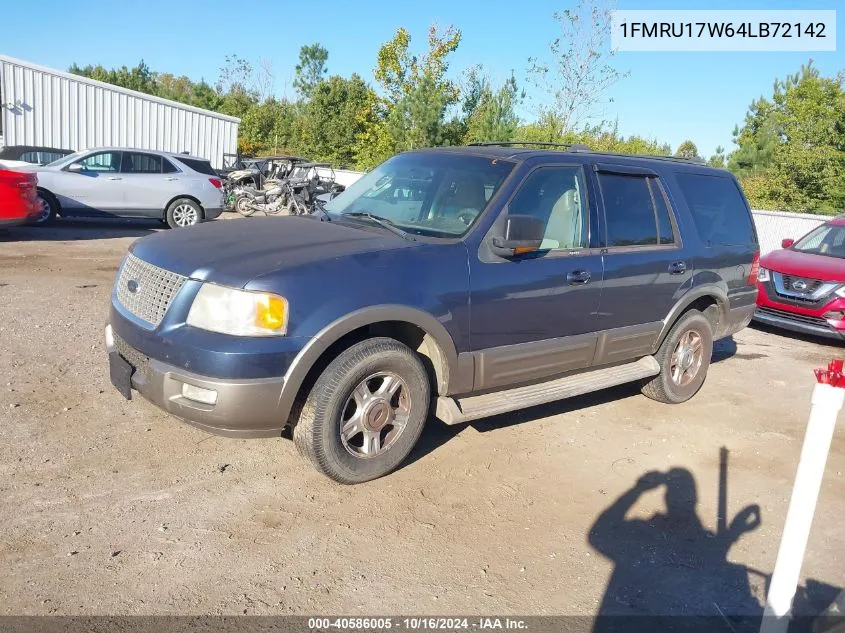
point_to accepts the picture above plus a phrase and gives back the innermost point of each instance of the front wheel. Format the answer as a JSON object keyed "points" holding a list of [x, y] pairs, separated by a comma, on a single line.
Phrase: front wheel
{"points": [[365, 412], [684, 357], [182, 213], [49, 208]]}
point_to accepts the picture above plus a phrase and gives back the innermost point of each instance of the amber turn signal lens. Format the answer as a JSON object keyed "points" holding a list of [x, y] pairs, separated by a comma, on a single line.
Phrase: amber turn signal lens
{"points": [[271, 312]]}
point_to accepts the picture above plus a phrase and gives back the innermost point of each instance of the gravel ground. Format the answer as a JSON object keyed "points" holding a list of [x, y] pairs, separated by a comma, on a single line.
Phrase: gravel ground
{"points": [[112, 507]]}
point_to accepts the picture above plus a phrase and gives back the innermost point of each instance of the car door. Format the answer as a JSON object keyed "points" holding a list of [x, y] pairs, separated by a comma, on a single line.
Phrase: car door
{"points": [[534, 315], [150, 181], [91, 185], [646, 268]]}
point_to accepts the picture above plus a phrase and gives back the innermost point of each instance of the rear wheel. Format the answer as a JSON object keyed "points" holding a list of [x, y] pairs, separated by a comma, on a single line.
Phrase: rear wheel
{"points": [[49, 208], [183, 212], [684, 358], [365, 412]]}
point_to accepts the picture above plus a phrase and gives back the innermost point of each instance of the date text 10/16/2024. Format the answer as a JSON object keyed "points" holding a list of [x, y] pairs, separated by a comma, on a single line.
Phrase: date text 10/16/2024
{"points": [[417, 624]]}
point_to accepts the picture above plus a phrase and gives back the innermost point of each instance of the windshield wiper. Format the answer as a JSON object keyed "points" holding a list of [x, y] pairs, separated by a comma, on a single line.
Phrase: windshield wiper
{"points": [[388, 224]]}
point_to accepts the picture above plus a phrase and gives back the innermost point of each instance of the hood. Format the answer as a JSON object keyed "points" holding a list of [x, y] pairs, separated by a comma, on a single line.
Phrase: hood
{"points": [[233, 252], [808, 265]]}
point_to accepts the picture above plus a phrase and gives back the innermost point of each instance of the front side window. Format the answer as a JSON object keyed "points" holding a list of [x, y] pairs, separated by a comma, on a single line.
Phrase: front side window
{"points": [[555, 195], [135, 163], [828, 240], [431, 193], [101, 162]]}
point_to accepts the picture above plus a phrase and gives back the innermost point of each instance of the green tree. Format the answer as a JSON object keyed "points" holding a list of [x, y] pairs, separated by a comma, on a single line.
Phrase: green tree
{"points": [[687, 149], [311, 69], [719, 159], [417, 88], [580, 73], [493, 117], [335, 119], [139, 78], [791, 152]]}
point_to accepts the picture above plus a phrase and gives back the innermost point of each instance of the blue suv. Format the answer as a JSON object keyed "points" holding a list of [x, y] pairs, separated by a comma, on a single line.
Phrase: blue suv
{"points": [[454, 282]]}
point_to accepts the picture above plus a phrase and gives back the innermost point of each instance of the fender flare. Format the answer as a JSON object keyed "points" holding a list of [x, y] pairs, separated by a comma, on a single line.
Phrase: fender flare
{"points": [[334, 331], [713, 291]]}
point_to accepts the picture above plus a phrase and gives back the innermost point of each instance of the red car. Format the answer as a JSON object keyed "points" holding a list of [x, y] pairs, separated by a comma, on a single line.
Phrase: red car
{"points": [[802, 286], [18, 198]]}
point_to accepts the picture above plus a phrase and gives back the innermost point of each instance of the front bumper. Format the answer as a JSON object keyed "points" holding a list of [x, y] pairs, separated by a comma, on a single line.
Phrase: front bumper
{"points": [[797, 323], [248, 408], [810, 319]]}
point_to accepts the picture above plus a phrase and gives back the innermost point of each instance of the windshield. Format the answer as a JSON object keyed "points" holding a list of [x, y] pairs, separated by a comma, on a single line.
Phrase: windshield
{"points": [[433, 194], [827, 240]]}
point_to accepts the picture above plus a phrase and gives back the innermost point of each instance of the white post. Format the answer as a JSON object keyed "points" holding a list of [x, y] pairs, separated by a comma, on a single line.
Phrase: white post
{"points": [[827, 401]]}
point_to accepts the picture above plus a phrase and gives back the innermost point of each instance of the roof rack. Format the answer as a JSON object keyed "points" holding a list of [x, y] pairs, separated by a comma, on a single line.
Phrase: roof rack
{"points": [[568, 146], [581, 148]]}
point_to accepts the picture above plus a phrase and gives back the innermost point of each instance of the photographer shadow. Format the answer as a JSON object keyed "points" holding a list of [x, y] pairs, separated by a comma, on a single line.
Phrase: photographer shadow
{"points": [[669, 569]]}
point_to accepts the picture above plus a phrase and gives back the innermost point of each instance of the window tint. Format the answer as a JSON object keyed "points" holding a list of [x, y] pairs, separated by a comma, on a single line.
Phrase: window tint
{"points": [[134, 163], [167, 167], [29, 157], [556, 196], [664, 224], [200, 166], [718, 210], [101, 161], [49, 157], [629, 210]]}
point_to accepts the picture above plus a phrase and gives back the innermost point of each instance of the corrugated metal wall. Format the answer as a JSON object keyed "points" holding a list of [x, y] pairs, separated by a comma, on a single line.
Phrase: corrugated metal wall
{"points": [[774, 226], [46, 107]]}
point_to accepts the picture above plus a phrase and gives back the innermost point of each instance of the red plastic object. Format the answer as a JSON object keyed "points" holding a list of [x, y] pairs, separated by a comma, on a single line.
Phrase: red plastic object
{"points": [[832, 375], [216, 182]]}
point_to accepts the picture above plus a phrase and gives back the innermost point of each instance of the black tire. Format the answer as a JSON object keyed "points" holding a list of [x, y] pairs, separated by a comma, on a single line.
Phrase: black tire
{"points": [[242, 206], [183, 212], [318, 435], [51, 208], [669, 385]]}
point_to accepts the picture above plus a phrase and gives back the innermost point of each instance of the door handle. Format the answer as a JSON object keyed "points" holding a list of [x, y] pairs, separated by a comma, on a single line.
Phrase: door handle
{"points": [[578, 277], [171, 179], [677, 268], [115, 178]]}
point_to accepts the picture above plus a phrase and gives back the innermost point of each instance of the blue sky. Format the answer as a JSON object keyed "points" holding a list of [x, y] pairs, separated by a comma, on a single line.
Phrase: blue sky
{"points": [[668, 96]]}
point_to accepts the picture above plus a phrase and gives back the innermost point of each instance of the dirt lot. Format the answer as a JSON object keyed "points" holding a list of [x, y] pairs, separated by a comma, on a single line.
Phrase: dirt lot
{"points": [[108, 506]]}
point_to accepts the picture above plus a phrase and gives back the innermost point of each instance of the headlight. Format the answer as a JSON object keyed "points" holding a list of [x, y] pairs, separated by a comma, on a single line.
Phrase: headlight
{"points": [[763, 274], [238, 312]]}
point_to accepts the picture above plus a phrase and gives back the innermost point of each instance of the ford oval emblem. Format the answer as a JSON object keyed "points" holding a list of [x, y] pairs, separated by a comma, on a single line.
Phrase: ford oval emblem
{"points": [[800, 285], [132, 285]]}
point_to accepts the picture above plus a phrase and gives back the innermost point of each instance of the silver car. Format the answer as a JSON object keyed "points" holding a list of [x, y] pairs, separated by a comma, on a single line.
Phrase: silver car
{"points": [[178, 189]]}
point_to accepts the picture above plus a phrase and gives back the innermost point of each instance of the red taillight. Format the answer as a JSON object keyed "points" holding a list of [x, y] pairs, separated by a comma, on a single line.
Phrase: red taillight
{"points": [[25, 183], [755, 269], [216, 182]]}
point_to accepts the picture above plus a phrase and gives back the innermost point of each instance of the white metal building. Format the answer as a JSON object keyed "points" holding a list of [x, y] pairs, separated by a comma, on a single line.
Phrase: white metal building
{"points": [[45, 107]]}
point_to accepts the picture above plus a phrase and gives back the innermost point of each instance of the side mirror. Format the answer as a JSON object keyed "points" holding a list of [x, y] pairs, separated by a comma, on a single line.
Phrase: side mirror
{"points": [[787, 243], [523, 234], [75, 168]]}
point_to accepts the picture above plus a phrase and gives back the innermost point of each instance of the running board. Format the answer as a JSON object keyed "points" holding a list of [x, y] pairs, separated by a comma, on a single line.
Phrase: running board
{"points": [[464, 409]]}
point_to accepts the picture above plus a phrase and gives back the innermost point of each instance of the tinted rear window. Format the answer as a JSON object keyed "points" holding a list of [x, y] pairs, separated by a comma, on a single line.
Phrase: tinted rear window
{"points": [[201, 166], [718, 209]]}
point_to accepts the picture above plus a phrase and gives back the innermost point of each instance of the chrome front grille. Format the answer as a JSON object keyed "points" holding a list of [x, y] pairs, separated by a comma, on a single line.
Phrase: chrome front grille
{"points": [[796, 290], [146, 290]]}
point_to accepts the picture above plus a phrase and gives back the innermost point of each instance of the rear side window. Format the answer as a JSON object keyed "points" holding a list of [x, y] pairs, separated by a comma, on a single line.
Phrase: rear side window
{"points": [[200, 166], [134, 163], [635, 211], [718, 210]]}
